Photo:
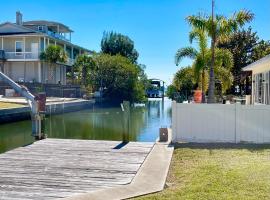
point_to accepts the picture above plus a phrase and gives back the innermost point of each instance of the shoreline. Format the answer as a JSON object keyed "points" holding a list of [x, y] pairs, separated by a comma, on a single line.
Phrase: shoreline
{"points": [[23, 113]]}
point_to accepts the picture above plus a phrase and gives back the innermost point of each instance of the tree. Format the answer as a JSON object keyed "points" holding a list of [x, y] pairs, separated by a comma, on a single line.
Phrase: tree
{"points": [[183, 79], [171, 91], [84, 64], [246, 47], [223, 65], [219, 28], [118, 77], [202, 61], [261, 50], [116, 43], [53, 55]]}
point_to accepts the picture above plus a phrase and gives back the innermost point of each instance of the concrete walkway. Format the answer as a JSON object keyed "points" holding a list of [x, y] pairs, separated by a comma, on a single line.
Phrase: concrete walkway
{"points": [[150, 178]]}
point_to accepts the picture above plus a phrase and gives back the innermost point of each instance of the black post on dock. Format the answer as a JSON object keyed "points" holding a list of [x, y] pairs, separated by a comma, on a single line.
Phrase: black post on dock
{"points": [[126, 120], [163, 89]]}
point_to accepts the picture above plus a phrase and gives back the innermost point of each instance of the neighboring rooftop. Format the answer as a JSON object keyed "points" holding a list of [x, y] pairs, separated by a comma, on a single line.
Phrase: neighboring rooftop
{"points": [[56, 26], [258, 63], [51, 28], [55, 30]]}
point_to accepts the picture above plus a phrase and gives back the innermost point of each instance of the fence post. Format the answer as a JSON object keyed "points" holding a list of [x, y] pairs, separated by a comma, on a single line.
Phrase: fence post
{"points": [[174, 121], [237, 125]]}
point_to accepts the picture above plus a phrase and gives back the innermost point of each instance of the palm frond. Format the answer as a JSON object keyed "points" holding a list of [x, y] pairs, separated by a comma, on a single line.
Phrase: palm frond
{"points": [[192, 35], [198, 65], [224, 76], [243, 16], [189, 52], [201, 36], [225, 57], [197, 21]]}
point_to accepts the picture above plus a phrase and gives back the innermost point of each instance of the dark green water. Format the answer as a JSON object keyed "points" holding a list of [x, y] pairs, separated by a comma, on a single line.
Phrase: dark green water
{"points": [[94, 124]]}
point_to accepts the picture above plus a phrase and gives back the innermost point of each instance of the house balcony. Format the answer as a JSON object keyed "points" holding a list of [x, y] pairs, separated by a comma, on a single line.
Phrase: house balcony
{"points": [[27, 56], [70, 61], [24, 56], [57, 36]]}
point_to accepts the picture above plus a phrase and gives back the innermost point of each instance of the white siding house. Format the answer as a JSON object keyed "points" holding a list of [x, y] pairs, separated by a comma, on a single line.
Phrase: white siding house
{"points": [[21, 44], [260, 80]]}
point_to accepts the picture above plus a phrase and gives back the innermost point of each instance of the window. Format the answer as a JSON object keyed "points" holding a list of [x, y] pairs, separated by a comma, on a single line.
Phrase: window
{"points": [[18, 48], [262, 88], [42, 44], [40, 28]]}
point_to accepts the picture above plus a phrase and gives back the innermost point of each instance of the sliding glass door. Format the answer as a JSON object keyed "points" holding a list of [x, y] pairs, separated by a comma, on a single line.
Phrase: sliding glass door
{"points": [[267, 89], [261, 88]]}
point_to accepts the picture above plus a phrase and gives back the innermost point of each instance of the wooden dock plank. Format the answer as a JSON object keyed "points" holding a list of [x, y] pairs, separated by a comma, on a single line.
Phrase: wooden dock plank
{"points": [[57, 168]]}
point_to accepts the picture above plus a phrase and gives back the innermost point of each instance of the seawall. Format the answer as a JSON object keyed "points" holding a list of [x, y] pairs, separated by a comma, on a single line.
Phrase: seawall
{"points": [[23, 113]]}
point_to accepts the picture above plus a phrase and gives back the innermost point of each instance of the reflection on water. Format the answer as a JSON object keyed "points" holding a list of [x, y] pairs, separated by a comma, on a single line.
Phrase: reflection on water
{"points": [[94, 124]]}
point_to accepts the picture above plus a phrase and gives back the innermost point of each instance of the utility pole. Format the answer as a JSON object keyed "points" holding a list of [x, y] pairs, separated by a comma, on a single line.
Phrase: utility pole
{"points": [[211, 91]]}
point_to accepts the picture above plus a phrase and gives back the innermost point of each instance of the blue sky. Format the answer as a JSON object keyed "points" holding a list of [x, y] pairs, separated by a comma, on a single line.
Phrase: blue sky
{"points": [[157, 27]]}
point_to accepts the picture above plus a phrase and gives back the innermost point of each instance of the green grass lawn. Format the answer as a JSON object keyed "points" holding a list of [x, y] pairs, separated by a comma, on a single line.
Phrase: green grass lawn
{"points": [[218, 172], [9, 105]]}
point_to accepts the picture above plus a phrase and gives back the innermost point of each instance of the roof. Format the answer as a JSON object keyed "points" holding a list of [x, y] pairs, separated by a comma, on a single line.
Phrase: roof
{"points": [[8, 28], [11, 29], [257, 64], [155, 79], [62, 28]]}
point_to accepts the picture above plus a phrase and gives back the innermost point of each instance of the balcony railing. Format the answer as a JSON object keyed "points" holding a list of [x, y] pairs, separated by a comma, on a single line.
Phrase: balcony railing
{"points": [[70, 61], [22, 55], [29, 56], [56, 35]]}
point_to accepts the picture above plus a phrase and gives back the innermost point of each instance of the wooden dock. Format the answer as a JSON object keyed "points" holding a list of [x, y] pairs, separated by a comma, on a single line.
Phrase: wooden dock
{"points": [[58, 168]]}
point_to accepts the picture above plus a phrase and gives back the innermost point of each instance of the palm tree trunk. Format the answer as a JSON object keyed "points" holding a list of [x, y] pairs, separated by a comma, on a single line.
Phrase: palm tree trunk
{"points": [[211, 90], [203, 88]]}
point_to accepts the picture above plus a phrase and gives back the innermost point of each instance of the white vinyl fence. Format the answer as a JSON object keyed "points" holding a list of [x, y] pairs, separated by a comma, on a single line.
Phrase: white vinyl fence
{"points": [[233, 123]]}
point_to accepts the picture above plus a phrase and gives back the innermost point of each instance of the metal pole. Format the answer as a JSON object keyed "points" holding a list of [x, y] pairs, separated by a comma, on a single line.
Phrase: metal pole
{"points": [[126, 120], [33, 103]]}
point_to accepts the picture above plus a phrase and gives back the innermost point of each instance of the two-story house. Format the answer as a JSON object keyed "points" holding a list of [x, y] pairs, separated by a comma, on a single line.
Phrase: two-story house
{"points": [[21, 44]]}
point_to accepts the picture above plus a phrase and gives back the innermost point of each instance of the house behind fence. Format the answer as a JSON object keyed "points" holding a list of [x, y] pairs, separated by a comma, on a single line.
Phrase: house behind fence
{"points": [[233, 123]]}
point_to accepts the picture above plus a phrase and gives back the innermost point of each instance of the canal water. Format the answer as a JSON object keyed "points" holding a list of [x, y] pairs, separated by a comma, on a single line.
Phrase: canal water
{"points": [[97, 123]]}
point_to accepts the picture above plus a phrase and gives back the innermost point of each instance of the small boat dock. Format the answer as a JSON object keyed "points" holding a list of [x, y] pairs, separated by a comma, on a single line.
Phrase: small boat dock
{"points": [[60, 168]]}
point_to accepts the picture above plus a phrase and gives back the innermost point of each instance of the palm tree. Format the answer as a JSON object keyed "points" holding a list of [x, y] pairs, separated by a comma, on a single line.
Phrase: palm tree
{"points": [[219, 28], [84, 63], [199, 56], [223, 65], [202, 61], [53, 55]]}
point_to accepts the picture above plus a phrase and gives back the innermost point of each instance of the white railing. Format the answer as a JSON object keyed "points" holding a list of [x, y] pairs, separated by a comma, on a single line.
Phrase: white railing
{"points": [[30, 55], [22, 55], [233, 123], [70, 61], [58, 36]]}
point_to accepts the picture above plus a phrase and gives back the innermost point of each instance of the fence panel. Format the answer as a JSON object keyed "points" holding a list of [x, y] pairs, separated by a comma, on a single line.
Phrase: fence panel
{"points": [[253, 123], [221, 123]]}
